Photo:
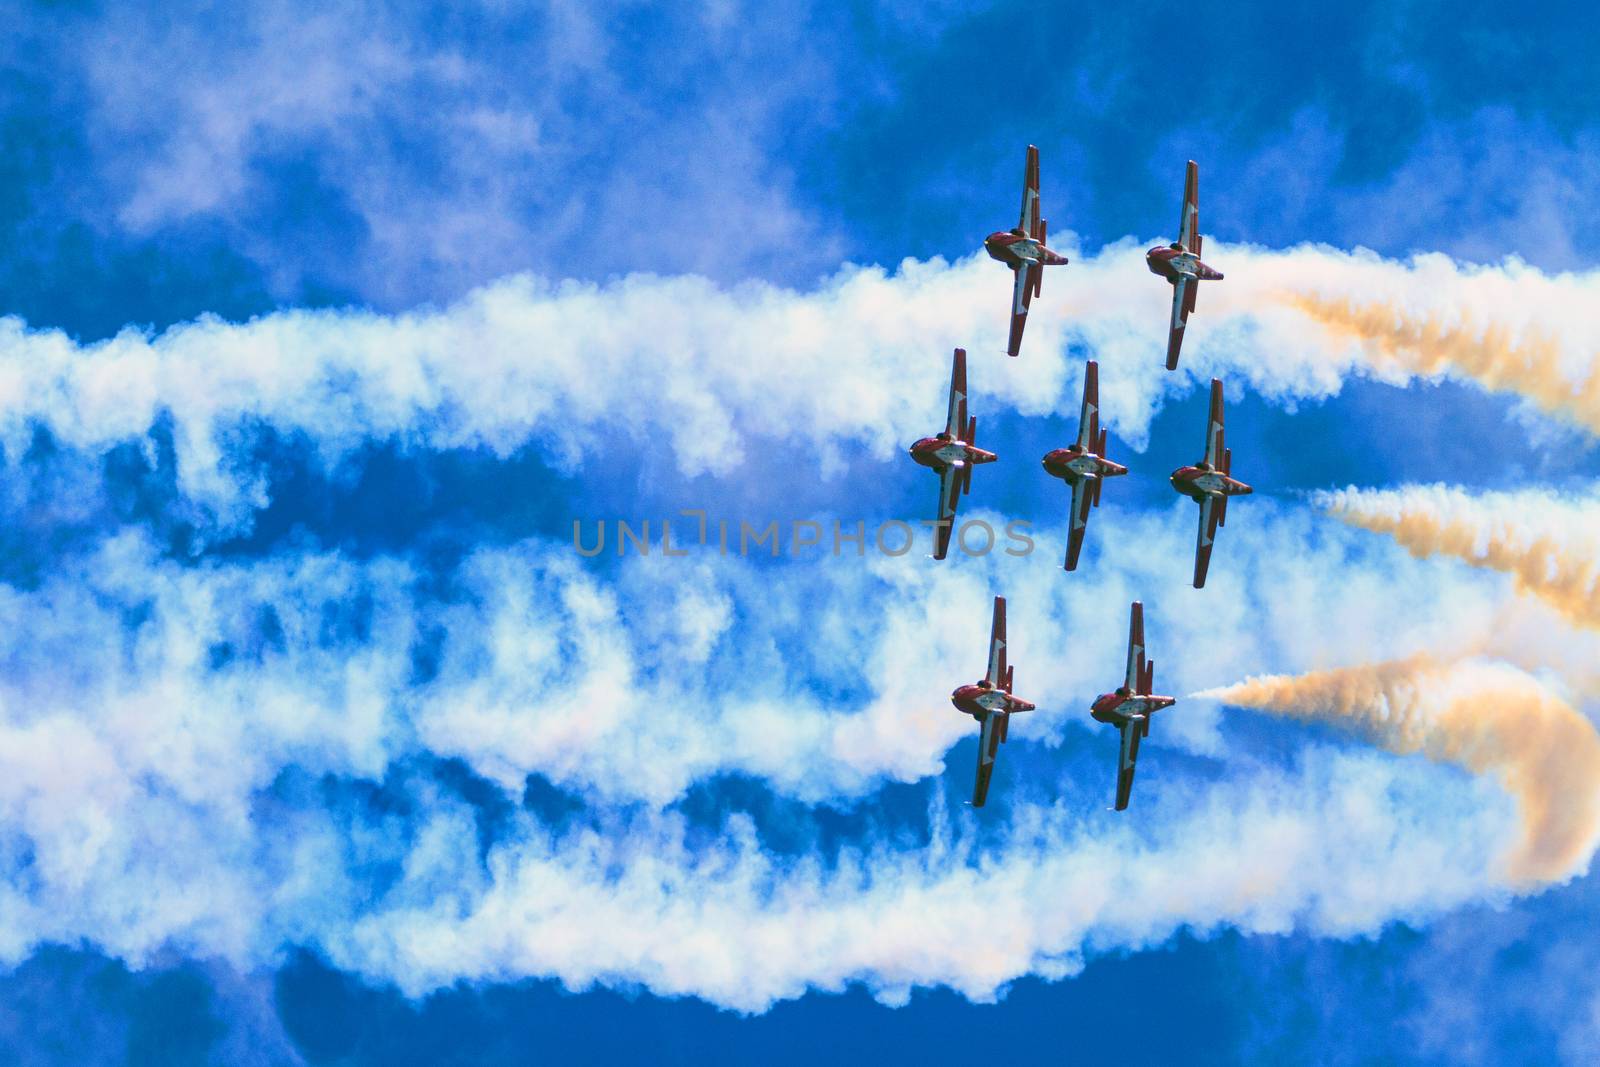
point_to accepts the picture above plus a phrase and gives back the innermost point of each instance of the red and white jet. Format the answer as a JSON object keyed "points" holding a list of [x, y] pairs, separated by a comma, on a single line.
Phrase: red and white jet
{"points": [[1022, 248], [1084, 465], [953, 454], [991, 703], [1179, 263], [1130, 706], [1210, 483]]}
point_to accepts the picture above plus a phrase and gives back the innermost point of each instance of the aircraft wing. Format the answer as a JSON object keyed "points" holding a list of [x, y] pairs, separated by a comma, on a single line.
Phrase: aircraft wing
{"points": [[1181, 303], [997, 645], [1082, 501], [1126, 759], [980, 788], [1022, 295], [1135, 647], [949, 496], [988, 741], [1208, 533], [1029, 223], [955, 422], [1189, 222], [1089, 414], [1214, 449]]}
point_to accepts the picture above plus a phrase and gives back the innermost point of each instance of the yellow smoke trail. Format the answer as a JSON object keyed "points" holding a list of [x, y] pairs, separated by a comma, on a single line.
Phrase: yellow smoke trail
{"points": [[1486, 717], [1527, 361], [1547, 546]]}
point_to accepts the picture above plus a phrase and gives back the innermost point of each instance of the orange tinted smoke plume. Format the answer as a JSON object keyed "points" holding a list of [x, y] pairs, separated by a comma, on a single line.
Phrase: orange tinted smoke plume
{"points": [[1549, 547], [1486, 717], [1527, 361]]}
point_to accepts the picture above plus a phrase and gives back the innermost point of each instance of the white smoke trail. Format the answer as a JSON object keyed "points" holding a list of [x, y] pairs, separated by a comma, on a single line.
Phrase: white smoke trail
{"points": [[405, 893], [821, 678], [159, 722], [678, 364], [741, 927], [173, 738], [1547, 541]]}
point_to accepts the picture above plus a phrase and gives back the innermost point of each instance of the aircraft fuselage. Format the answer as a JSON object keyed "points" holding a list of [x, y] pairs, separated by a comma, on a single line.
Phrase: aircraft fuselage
{"points": [[1171, 263], [979, 700], [1201, 480], [1121, 705], [1016, 249], [1073, 464], [941, 452]]}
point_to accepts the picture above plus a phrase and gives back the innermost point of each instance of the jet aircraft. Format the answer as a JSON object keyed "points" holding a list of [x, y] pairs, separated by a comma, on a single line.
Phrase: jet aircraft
{"points": [[991, 703], [1210, 483], [953, 454], [1179, 263], [1083, 464], [1130, 706], [1022, 248]]}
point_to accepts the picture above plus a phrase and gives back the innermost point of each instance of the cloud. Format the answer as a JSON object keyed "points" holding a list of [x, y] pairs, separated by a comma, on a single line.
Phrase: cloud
{"points": [[1480, 187], [1487, 717], [435, 152]]}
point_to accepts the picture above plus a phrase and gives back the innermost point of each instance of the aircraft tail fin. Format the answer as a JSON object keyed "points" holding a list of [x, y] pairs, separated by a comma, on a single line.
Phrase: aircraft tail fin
{"points": [[1227, 461], [1005, 724], [1189, 223], [1135, 670], [1011, 675], [1222, 511], [955, 420], [1147, 678], [998, 671]]}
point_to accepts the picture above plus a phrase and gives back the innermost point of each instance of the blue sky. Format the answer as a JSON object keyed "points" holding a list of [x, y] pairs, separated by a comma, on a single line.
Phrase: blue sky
{"points": [[157, 166]]}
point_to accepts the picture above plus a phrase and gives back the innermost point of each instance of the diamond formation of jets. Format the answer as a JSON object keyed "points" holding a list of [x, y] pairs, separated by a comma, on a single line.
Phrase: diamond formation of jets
{"points": [[1083, 464], [991, 703], [1130, 705], [952, 454], [1023, 249], [1179, 263], [1210, 483]]}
